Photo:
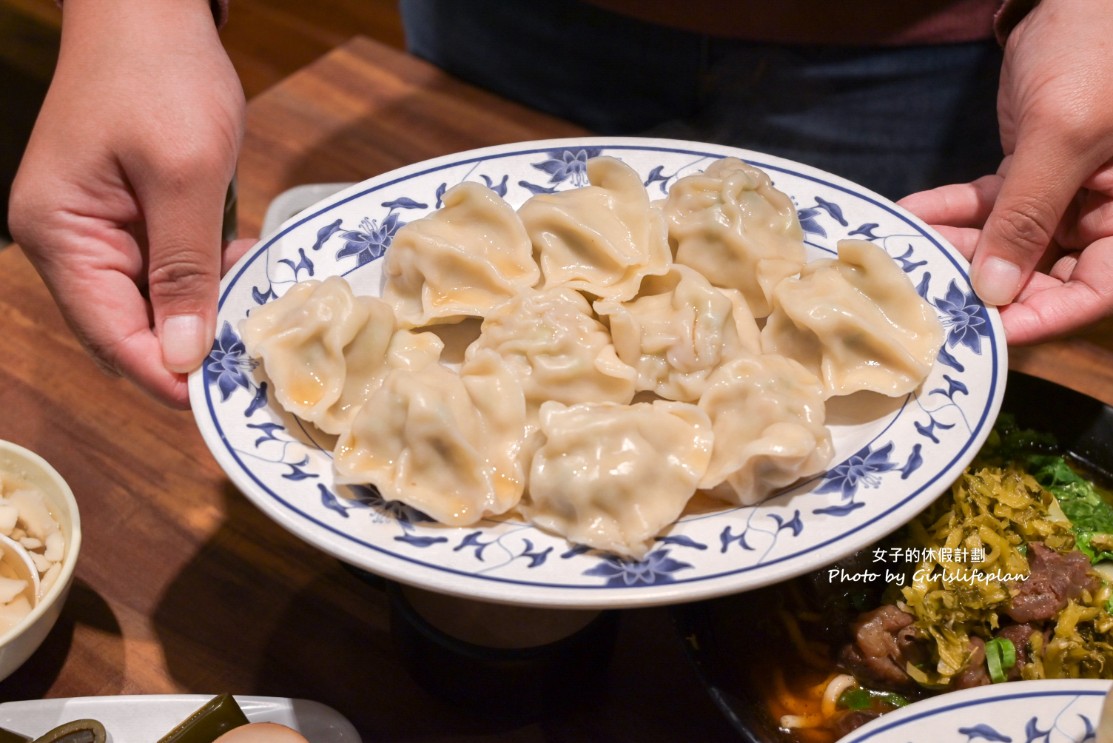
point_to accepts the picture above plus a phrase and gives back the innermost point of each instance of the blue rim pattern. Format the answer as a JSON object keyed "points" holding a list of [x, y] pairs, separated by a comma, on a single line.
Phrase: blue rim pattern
{"points": [[934, 432], [1056, 711]]}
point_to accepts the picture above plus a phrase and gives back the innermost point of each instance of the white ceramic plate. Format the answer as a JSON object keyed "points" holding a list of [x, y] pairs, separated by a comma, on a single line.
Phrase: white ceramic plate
{"points": [[146, 718], [892, 458], [1061, 711]]}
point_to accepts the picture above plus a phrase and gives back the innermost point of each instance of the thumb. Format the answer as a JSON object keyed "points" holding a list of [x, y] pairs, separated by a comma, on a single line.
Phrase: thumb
{"points": [[1040, 179], [184, 271]]}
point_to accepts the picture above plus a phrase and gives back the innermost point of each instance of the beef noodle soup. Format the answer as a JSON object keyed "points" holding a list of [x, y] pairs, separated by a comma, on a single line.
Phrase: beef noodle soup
{"points": [[1000, 579]]}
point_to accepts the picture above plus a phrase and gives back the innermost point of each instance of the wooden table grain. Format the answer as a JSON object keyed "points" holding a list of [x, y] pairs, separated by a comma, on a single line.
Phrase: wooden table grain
{"points": [[362, 110], [184, 586]]}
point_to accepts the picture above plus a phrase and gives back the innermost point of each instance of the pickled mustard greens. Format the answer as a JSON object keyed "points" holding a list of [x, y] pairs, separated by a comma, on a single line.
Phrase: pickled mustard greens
{"points": [[1091, 516], [994, 582], [976, 548], [1089, 512]]}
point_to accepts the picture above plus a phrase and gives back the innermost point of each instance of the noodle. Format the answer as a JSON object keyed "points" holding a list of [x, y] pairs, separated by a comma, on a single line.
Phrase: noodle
{"points": [[810, 708], [834, 690], [804, 649], [796, 722], [968, 557]]}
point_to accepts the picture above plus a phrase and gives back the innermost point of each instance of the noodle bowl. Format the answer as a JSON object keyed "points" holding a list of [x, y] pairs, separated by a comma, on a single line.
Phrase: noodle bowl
{"points": [[990, 584]]}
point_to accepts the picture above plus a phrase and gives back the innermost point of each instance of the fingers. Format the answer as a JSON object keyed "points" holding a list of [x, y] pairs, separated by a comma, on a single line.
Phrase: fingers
{"points": [[120, 197], [1051, 313], [1043, 177], [964, 239], [1075, 293], [1090, 216], [957, 211], [957, 205], [133, 352], [95, 287]]}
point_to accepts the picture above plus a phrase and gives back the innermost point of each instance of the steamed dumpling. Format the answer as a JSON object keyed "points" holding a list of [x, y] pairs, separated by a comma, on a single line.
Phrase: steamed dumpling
{"points": [[326, 350], [731, 224], [556, 348], [767, 413], [738, 343], [601, 239], [612, 476], [678, 330], [448, 444], [458, 261], [856, 322]]}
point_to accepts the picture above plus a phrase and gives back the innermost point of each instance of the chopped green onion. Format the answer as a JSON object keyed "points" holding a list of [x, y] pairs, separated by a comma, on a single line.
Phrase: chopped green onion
{"points": [[856, 698], [859, 698], [1000, 657], [897, 700]]}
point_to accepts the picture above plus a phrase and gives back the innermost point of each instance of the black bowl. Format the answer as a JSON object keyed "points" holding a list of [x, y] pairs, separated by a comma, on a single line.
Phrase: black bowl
{"points": [[714, 632]]}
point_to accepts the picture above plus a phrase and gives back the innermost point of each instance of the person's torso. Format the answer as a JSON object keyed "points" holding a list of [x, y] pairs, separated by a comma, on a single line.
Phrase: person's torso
{"points": [[858, 22]]}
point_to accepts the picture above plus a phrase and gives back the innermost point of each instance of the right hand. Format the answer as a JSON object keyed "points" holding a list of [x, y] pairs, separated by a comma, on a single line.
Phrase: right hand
{"points": [[1039, 232]]}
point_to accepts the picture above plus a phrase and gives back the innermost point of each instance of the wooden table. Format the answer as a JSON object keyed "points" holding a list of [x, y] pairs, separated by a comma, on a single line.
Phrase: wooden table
{"points": [[184, 586]]}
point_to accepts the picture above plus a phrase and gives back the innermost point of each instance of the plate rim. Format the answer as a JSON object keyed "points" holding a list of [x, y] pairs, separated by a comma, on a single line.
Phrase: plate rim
{"points": [[257, 708], [444, 578], [979, 695]]}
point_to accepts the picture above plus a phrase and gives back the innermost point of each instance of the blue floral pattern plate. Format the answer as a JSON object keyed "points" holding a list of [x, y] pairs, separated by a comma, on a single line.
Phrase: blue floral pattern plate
{"points": [[1059, 711], [892, 456]]}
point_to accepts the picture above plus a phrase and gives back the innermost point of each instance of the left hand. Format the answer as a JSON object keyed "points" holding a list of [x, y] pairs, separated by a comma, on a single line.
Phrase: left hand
{"points": [[119, 199], [1039, 232]]}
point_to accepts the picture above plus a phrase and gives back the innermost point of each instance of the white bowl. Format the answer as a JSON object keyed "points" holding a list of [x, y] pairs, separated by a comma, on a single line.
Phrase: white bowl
{"points": [[18, 643]]}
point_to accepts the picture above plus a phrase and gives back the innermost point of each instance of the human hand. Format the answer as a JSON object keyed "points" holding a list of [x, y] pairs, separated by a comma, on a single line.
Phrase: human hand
{"points": [[1039, 233], [120, 196]]}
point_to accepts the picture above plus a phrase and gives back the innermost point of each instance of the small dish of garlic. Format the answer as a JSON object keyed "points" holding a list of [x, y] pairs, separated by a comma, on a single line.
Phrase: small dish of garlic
{"points": [[40, 537], [33, 548]]}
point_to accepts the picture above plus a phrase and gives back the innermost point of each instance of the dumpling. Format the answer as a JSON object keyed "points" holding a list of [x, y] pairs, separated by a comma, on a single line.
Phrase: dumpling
{"points": [[300, 338], [556, 348], [325, 349], [678, 330], [856, 322], [767, 413], [602, 238], [445, 443], [458, 261], [365, 369], [731, 224], [612, 476]]}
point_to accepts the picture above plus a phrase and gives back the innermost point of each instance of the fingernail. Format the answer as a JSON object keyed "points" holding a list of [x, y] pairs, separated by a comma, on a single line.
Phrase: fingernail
{"points": [[997, 281], [184, 342]]}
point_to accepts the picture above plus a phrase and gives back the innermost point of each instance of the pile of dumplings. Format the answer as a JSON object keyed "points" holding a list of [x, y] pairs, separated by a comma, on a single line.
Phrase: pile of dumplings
{"points": [[629, 353]]}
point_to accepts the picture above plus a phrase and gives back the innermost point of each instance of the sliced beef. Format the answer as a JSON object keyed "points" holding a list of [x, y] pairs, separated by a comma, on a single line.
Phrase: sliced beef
{"points": [[854, 720], [1055, 579], [975, 672], [884, 641]]}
